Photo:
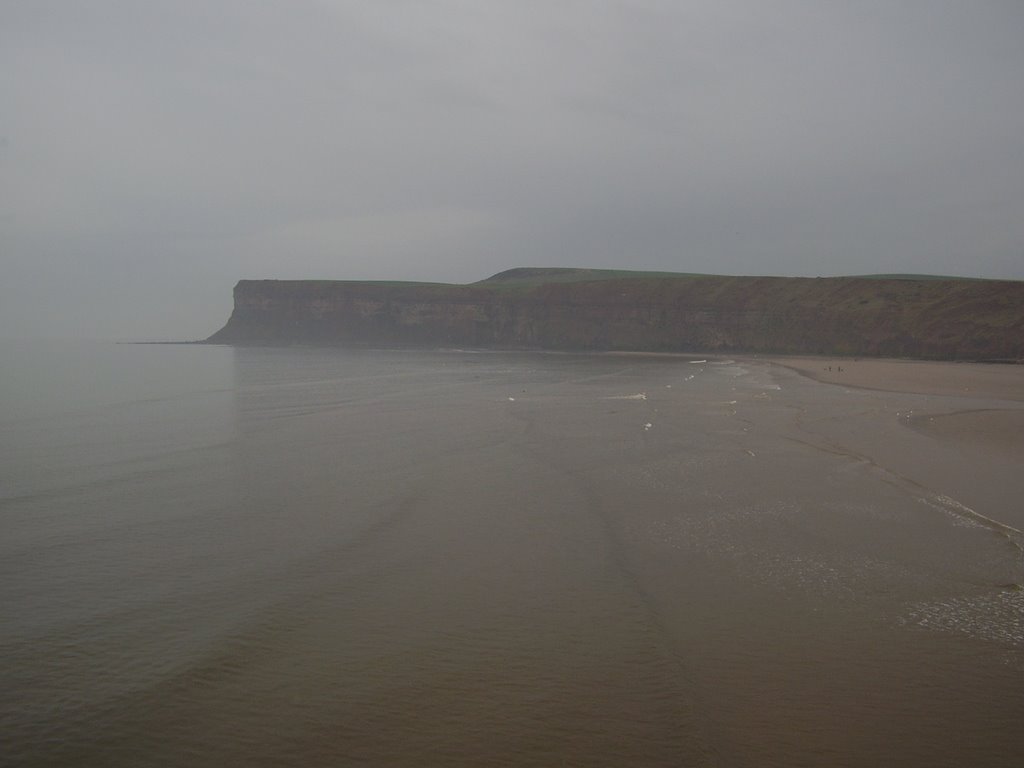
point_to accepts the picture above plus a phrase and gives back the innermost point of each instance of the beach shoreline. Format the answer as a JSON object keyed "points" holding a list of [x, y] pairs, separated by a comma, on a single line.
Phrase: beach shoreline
{"points": [[974, 406], [924, 377]]}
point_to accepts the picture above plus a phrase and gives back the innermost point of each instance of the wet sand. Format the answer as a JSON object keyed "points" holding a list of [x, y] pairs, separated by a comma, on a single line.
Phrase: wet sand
{"points": [[983, 423], [990, 381], [994, 430]]}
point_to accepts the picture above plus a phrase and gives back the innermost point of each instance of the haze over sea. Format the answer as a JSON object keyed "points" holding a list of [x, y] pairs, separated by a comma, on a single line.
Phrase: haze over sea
{"points": [[218, 556]]}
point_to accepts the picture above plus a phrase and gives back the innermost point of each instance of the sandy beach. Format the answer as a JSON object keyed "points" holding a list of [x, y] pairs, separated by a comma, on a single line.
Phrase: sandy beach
{"points": [[924, 377], [990, 420]]}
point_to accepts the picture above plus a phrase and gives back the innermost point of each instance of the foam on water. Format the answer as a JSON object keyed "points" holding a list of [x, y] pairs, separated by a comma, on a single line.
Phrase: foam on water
{"points": [[996, 616]]}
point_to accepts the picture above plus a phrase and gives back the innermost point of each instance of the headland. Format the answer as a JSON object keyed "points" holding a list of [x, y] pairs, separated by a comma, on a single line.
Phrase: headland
{"points": [[608, 310]]}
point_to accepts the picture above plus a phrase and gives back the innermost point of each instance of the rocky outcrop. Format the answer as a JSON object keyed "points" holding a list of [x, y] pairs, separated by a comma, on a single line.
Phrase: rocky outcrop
{"points": [[592, 310]]}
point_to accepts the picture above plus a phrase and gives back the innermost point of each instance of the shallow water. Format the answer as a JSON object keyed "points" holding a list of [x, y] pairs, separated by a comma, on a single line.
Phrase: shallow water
{"points": [[216, 556]]}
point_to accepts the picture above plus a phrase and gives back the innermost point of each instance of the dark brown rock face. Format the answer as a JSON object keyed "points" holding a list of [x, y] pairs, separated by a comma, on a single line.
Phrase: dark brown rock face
{"points": [[926, 318]]}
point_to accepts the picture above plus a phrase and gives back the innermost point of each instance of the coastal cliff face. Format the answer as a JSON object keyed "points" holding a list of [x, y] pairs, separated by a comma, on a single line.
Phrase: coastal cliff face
{"points": [[585, 310]]}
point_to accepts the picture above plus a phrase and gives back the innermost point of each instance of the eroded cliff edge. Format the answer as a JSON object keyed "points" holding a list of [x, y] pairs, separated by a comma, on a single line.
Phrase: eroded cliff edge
{"points": [[934, 318]]}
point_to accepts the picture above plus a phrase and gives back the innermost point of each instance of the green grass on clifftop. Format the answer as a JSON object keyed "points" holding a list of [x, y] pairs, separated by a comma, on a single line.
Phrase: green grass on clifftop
{"points": [[527, 276]]}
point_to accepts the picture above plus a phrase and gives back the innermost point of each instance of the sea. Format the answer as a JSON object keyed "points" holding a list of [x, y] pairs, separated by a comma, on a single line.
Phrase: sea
{"points": [[217, 556]]}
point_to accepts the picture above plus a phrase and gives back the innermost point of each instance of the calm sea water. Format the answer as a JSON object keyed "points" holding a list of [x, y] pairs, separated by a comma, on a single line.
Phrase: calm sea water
{"points": [[216, 556]]}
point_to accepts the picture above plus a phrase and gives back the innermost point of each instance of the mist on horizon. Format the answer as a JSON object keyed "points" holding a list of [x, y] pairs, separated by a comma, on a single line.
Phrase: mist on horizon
{"points": [[153, 155]]}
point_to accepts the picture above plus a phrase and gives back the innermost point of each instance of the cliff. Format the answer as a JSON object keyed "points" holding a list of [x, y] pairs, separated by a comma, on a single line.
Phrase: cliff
{"points": [[939, 318]]}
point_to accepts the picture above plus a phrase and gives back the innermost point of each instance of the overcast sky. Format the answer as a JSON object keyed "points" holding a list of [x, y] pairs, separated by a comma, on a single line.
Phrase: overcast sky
{"points": [[152, 153]]}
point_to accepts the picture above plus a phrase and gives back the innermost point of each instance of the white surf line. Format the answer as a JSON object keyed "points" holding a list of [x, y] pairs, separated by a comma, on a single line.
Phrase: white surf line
{"points": [[637, 396], [963, 510], [933, 499]]}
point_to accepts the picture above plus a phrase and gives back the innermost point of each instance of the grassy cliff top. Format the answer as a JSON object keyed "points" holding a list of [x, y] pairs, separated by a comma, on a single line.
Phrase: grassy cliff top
{"points": [[546, 275], [528, 277]]}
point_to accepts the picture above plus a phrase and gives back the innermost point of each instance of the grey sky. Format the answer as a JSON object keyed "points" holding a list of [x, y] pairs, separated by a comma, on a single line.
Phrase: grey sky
{"points": [[152, 153]]}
